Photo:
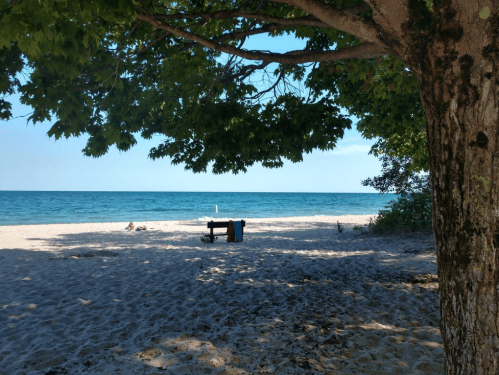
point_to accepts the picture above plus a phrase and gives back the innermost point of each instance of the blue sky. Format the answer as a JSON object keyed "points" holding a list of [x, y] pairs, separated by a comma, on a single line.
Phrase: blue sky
{"points": [[30, 160]]}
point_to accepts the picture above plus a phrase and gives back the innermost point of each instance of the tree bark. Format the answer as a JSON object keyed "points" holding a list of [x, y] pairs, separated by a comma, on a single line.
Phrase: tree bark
{"points": [[459, 82]]}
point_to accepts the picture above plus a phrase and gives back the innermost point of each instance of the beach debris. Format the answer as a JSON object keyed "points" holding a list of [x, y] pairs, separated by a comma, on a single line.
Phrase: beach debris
{"points": [[141, 228], [206, 238], [340, 229], [130, 226]]}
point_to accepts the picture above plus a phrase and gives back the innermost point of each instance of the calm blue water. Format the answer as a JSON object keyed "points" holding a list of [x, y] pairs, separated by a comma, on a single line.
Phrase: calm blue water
{"points": [[56, 207]]}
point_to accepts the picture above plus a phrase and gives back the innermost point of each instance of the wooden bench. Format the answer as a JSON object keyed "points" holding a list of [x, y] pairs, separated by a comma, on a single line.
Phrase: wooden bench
{"points": [[221, 224]]}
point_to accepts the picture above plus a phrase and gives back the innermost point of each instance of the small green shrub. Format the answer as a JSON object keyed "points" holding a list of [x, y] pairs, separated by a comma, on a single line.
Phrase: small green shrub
{"points": [[410, 212]]}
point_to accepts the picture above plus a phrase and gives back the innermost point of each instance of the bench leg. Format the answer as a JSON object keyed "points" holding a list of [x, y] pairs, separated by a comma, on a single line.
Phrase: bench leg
{"points": [[212, 237]]}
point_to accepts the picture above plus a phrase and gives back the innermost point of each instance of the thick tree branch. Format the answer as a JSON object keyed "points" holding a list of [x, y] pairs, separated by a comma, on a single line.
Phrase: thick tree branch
{"points": [[362, 51], [344, 20], [358, 9], [242, 34], [251, 31], [390, 15], [228, 14]]}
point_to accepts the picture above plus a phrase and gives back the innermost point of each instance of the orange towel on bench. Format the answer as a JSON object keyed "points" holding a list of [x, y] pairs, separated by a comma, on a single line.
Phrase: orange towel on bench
{"points": [[231, 235]]}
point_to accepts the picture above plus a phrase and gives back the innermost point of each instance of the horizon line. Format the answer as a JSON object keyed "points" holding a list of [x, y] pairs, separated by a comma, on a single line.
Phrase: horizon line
{"points": [[189, 191]]}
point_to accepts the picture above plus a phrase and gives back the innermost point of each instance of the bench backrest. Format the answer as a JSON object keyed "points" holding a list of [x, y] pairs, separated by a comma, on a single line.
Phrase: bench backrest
{"points": [[222, 224]]}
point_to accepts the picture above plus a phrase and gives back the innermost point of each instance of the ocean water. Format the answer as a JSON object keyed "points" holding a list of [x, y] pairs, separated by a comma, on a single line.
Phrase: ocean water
{"points": [[56, 207]]}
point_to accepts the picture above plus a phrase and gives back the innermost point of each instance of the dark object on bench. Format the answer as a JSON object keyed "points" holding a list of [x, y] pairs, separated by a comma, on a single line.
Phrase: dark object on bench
{"points": [[221, 224]]}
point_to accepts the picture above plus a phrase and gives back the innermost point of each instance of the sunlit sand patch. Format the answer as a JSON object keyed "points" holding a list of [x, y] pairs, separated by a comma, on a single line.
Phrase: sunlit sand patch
{"points": [[13, 304], [16, 317], [185, 350], [156, 358], [378, 326], [432, 344]]}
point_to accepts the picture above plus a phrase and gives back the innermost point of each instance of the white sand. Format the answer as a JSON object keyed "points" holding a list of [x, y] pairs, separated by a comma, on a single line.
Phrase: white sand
{"points": [[295, 297]]}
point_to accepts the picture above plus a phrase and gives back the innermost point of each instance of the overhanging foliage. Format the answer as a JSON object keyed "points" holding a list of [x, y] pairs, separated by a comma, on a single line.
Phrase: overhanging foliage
{"points": [[118, 69]]}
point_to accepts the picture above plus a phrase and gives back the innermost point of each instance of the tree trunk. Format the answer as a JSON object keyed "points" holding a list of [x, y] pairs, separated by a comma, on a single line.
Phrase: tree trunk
{"points": [[459, 82]]}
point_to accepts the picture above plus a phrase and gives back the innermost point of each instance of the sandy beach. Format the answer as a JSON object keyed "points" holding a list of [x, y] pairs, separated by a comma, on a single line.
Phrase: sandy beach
{"points": [[295, 297]]}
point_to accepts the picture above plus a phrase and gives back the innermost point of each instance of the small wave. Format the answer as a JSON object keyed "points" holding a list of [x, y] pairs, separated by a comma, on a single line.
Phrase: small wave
{"points": [[206, 218]]}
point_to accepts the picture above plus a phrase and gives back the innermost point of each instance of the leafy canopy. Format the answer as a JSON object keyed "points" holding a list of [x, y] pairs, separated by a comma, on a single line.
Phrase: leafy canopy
{"points": [[94, 67], [384, 95]]}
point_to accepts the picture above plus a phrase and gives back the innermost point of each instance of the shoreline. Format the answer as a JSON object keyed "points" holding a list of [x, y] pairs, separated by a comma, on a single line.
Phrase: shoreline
{"points": [[296, 296], [198, 220]]}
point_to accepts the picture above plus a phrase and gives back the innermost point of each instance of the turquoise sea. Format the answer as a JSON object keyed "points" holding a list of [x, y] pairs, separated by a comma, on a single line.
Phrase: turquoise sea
{"points": [[56, 207]]}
